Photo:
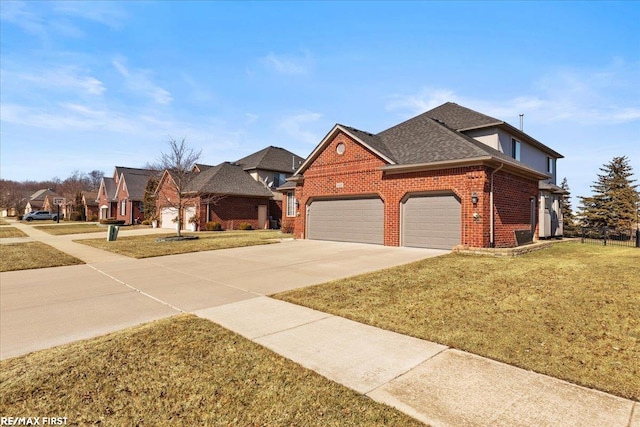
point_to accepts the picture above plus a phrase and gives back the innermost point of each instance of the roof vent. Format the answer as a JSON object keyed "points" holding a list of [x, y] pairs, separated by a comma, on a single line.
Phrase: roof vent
{"points": [[521, 121]]}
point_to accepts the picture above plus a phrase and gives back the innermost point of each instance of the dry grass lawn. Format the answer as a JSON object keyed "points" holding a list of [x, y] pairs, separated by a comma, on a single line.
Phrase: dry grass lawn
{"points": [[6, 232], [571, 311], [183, 371], [148, 246], [4, 221], [25, 256], [71, 228]]}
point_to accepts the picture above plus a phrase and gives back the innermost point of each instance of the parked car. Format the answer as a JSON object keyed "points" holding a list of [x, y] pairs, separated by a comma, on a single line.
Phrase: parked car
{"points": [[40, 215]]}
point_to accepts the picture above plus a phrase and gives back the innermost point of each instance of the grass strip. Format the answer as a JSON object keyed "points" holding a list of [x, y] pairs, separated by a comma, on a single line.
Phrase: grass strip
{"points": [[149, 246], [181, 371], [571, 311], [25, 256], [63, 229], [6, 232]]}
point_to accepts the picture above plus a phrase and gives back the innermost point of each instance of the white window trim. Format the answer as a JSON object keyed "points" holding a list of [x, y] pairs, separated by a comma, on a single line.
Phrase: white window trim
{"points": [[123, 207], [291, 204]]}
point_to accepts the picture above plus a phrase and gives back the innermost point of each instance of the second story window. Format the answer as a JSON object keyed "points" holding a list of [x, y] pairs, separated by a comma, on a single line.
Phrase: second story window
{"points": [[550, 164], [123, 207], [515, 149], [278, 179]]}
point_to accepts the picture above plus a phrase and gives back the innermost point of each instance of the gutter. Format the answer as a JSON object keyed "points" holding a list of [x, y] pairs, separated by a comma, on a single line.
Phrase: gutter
{"points": [[492, 242]]}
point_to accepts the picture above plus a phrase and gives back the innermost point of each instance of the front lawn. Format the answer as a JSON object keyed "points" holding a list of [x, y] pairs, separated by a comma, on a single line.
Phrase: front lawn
{"points": [[25, 256], [72, 228], [571, 311], [149, 246], [183, 371], [6, 232]]}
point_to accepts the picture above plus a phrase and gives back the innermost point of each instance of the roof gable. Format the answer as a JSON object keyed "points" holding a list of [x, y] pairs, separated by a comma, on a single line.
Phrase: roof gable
{"points": [[134, 181], [40, 195]]}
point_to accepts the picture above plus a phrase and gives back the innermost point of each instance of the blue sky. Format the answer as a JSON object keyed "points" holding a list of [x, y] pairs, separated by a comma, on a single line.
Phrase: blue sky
{"points": [[92, 85]]}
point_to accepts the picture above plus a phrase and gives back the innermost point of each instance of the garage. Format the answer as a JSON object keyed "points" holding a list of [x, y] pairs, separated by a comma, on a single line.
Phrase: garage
{"points": [[431, 221], [167, 215], [358, 220]]}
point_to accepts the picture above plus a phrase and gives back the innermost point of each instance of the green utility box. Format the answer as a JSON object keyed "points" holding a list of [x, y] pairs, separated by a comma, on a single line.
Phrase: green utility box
{"points": [[112, 233]]}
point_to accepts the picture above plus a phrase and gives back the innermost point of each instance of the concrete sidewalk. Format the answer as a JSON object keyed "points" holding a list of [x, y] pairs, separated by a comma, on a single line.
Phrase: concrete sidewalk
{"points": [[435, 384]]}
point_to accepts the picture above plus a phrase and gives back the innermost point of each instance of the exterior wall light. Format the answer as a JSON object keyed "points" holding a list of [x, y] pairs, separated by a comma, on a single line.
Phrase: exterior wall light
{"points": [[474, 198]]}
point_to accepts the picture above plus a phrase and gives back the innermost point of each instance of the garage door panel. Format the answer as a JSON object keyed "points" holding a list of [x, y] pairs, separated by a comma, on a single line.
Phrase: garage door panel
{"points": [[431, 222], [167, 216], [347, 220]]}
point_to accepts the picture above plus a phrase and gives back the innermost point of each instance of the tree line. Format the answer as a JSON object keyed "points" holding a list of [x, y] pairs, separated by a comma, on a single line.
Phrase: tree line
{"points": [[14, 194]]}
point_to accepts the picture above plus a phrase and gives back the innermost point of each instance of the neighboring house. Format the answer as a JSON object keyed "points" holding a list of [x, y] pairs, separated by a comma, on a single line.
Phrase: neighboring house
{"points": [[272, 166], [448, 177], [62, 210], [224, 193], [107, 200], [121, 196], [36, 200], [90, 205]]}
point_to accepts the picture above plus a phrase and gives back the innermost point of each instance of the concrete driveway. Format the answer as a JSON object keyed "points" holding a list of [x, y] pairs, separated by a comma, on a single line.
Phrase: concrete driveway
{"points": [[48, 307]]}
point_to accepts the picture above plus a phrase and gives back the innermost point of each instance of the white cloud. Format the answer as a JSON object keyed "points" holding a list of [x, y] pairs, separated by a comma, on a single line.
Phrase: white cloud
{"points": [[578, 96], [140, 82], [298, 127], [110, 14], [291, 65], [64, 78]]}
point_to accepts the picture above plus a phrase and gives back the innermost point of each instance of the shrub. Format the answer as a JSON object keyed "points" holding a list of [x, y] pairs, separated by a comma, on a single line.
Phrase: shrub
{"points": [[245, 226], [93, 218], [112, 221], [287, 226], [213, 226], [19, 217], [75, 216]]}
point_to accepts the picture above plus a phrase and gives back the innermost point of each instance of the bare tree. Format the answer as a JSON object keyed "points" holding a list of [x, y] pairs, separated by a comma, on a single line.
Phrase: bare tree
{"points": [[95, 176], [178, 165]]}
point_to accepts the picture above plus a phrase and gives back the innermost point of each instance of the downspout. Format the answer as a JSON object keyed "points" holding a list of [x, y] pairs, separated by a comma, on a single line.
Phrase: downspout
{"points": [[492, 242]]}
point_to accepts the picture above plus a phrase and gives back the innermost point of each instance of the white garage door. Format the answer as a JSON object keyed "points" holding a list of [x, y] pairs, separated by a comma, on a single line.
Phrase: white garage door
{"points": [[347, 220], [166, 218], [431, 222]]}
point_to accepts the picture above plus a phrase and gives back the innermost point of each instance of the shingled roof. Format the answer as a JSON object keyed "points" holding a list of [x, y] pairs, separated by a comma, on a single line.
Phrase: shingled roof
{"points": [[135, 179], [424, 140], [229, 179], [273, 159], [460, 118]]}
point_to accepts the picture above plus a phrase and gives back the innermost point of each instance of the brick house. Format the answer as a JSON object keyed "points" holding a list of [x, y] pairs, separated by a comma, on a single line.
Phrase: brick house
{"points": [[448, 177], [121, 196], [90, 204], [272, 166], [224, 193]]}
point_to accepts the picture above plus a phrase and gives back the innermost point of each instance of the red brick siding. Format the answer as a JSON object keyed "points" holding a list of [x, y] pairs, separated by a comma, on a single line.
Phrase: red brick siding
{"points": [[232, 210], [357, 172], [512, 207]]}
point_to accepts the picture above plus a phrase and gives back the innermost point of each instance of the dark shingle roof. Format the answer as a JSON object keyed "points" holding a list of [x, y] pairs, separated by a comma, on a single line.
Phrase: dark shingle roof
{"points": [[273, 159], [373, 141], [136, 180], [458, 117], [230, 179], [110, 188], [90, 197]]}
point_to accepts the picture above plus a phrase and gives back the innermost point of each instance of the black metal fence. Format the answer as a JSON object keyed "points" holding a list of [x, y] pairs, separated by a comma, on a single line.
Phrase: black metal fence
{"points": [[611, 237]]}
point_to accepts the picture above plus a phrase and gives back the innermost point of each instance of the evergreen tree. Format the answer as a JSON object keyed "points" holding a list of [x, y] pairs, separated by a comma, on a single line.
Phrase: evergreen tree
{"points": [[568, 218], [614, 200]]}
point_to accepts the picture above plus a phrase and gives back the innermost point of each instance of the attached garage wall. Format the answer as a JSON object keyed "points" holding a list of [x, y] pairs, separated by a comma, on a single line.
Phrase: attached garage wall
{"points": [[431, 221], [166, 218], [347, 220]]}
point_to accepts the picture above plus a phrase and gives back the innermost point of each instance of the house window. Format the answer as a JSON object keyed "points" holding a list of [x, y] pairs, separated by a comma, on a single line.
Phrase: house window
{"points": [[123, 207], [291, 204], [278, 179], [515, 149], [549, 164]]}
